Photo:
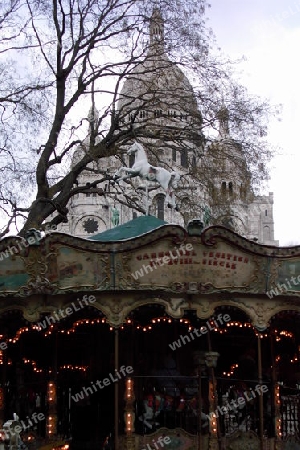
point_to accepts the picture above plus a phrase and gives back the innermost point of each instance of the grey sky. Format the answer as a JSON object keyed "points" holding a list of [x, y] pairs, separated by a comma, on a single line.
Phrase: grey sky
{"points": [[267, 33]]}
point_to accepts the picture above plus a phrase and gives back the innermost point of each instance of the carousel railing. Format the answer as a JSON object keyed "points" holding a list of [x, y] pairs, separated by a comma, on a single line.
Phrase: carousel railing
{"points": [[290, 416], [173, 401]]}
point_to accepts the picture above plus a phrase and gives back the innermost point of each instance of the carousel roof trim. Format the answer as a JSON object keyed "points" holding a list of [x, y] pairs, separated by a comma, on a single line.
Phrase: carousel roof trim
{"points": [[130, 230]]}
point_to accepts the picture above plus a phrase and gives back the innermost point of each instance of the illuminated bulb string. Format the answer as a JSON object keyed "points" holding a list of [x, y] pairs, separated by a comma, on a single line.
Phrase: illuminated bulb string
{"points": [[64, 367], [144, 328], [233, 367], [149, 327]]}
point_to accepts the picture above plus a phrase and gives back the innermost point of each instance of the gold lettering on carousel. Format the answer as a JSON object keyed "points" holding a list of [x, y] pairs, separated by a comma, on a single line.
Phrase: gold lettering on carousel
{"points": [[212, 259]]}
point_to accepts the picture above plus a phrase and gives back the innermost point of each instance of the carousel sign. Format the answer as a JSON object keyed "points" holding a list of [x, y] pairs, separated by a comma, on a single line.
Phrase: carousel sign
{"points": [[220, 268]]}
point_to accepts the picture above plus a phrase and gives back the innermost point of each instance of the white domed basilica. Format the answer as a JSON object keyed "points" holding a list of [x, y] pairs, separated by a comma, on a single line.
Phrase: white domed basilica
{"points": [[158, 101]]}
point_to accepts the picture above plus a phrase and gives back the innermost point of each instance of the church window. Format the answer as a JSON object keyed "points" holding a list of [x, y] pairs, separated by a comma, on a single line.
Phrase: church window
{"points": [[160, 206], [266, 212], [142, 114], [230, 188], [184, 158], [174, 154], [157, 113], [223, 188], [91, 225]]}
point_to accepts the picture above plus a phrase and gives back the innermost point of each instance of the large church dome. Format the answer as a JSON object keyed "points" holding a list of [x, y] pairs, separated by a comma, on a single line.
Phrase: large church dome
{"points": [[157, 87]]}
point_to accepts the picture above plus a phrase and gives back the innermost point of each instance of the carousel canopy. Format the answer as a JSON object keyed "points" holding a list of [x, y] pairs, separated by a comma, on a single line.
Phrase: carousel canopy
{"points": [[129, 230]]}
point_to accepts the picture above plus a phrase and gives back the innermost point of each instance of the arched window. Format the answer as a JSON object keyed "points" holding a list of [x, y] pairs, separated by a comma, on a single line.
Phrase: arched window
{"points": [[184, 157], [266, 212], [223, 188], [157, 113], [174, 154], [230, 188], [160, 206]]}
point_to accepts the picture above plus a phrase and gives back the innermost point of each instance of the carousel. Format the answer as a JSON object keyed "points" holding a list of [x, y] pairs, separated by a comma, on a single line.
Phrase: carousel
{"points": [[149, 336]]}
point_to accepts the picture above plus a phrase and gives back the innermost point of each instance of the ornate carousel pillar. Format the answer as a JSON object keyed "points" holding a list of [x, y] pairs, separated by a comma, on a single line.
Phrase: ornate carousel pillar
{"points": [[278, 431], [199, 362], [276, 413], [52, 411], [260, 398], [129, 415], [4, 362], [116, 387], [211, 359], [51, 427]]}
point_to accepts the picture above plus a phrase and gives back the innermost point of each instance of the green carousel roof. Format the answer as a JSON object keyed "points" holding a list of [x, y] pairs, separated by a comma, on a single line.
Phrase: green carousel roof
{"points": [[129, 230]]}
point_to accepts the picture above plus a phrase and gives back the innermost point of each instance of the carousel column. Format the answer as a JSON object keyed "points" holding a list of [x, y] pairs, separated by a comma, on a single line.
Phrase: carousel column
{"points": [[116, 390], [215, 437], [276, 413], [51, 429], [260, 397], [129, 415], [52, 409], [199, 362], [4, 362], [278, 431]]}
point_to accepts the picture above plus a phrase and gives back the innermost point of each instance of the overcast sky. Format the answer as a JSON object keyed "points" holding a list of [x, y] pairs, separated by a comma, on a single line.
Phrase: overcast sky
{"points": [[267, 33]]}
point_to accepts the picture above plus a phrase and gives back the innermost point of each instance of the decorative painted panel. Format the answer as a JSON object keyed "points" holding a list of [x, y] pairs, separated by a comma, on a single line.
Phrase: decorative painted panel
{"points": [[194, 267]]}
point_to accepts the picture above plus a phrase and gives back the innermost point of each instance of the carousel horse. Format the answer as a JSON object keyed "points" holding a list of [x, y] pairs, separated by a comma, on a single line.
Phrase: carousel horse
{"points": [[153, 404], [141, 168], [238, 412]]}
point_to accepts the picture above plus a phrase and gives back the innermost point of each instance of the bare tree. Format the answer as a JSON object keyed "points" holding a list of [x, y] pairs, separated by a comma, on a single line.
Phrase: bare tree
{"points": [[59, 56]]}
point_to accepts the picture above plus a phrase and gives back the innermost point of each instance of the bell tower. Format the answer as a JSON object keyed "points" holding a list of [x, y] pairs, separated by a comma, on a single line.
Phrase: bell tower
{"points": [[156, 30]]}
